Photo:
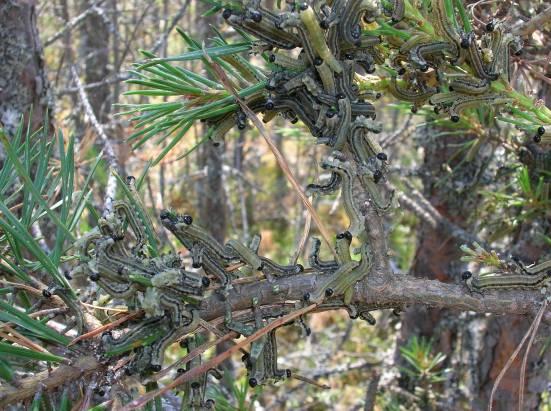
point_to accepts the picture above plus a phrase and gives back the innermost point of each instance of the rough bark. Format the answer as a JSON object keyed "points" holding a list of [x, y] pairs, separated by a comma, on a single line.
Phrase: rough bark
{"points": [[23, 82], [489, 341]]}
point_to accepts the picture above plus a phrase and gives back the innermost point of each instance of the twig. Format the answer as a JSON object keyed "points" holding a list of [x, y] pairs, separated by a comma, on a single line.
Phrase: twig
{"points": [[110, 156], [389, 140], [91, 86], [72, 23], [422, 208], [371, 392], [49, 379], [534, 23], [537, 322], [106, 327], [193, 354], [514, 355], [160, 43], [310, 381]]}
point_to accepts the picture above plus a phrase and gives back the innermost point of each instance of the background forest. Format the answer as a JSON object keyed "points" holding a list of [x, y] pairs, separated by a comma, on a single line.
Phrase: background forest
{"points": [[79, 114]]}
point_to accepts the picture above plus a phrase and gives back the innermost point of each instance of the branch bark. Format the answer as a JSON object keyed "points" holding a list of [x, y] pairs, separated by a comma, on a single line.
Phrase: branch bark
{"points": [[49, 380], [398, 291]]}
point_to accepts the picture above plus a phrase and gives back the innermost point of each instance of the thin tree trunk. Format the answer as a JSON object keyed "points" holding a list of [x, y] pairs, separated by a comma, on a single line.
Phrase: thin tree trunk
{"points": [[23, 82], [95, 52]]}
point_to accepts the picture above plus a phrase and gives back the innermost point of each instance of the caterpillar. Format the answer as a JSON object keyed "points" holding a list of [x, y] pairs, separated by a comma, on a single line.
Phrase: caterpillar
{"points": [[470, 85], [418, 53], [183, 227], [264, 369], [415, 40], [255, 243], [282, 104], [263, 29], [444, 27], [287, 62], [349, 28], [151, 357], [363, 146], [344, 80], [398, 10], [315, 261], [342, 281], [418, 97], [475, 58], [445, 98], [271, 268], [142, 331], [245, 254], [372, 161], [317, 39], [322, 116], [326, 75], [466, 102], [345, 117], [363, 109], [505, 280], [333, 281], [335, 163], [220, 129], [342, 247], [330, 187]]}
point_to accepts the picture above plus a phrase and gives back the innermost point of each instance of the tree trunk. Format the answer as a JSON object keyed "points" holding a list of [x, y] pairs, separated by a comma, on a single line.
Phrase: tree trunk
{"points": [[23, 82], [477, 347], [94, 50]]}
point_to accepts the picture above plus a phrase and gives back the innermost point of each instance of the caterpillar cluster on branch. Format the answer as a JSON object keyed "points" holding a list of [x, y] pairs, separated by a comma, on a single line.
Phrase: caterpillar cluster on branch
{"points": [[316, 84]]}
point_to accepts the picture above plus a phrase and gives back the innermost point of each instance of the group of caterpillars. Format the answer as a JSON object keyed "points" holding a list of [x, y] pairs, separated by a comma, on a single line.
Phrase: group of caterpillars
{"points": [[318, 86], [159, 285], [478, 61]]}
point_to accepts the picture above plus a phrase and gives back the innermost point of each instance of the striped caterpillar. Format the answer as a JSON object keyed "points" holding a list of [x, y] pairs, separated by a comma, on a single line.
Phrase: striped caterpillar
{"points": [[444, 27], [330, 187], [470, 85], [418, 53], [475, 58], [466, 102], [500, 44], [536, 277], [317, 38], [287, 62], [345, 113], [418, 97], [345, 169], [342, 281], [261, 362], [262, 27], [326, 75], [315, 261], [415, 40], [398, 10], [372, 161]]}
